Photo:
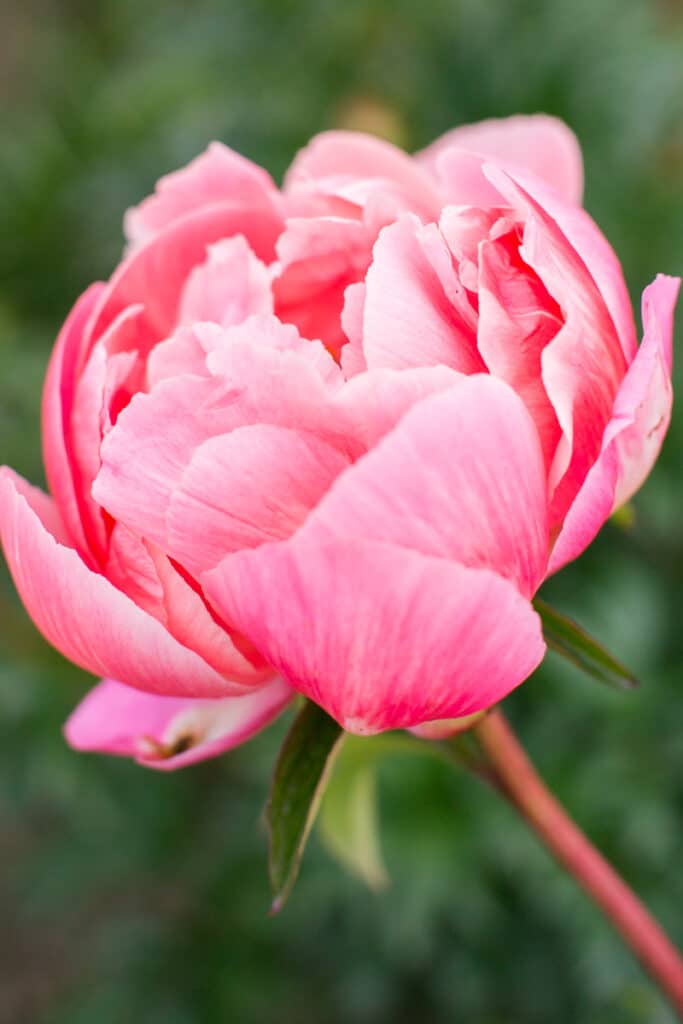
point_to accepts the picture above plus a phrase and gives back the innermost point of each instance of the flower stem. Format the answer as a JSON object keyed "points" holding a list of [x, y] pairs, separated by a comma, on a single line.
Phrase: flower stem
{"points": [[564, 839]]}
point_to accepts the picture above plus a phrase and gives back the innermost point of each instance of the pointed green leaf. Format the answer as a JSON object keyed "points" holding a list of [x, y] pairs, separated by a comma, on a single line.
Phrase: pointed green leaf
{"points": [[566, 637], [299, 779], [348, 821]]}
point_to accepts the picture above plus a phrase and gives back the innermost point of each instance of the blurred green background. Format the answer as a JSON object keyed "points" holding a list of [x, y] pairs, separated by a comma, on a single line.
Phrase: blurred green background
{"points": [[129, 896]]}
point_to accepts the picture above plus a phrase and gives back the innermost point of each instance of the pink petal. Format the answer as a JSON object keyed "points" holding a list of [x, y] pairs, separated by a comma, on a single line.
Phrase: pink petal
{"points": [[372, 403], [169, 732], [538, 143], [183, 354], [590, 245], [380, 636], [517, 320], [155, 273], [217, 175], [84, 616], [415, 312], [188, 618], [352, 357], [461, 478], [129, 567], [336, 161], [583, 366], [239, 490], [319, 257], [317, 250], [58, 399], [631, 443], [228, 287], [264, 374], [104, 384]]}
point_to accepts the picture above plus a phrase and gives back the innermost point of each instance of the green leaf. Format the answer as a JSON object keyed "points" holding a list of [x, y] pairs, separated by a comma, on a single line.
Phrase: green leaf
{"points": [[563, 635], [299, 780], [348, 822]]}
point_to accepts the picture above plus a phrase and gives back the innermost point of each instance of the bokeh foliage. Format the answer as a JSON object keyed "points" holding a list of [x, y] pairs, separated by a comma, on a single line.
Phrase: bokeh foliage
{"points": [[129, 896]]}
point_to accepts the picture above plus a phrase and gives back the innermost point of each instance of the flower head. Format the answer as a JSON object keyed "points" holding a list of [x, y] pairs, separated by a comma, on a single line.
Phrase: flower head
{"points": [[331, 438]]}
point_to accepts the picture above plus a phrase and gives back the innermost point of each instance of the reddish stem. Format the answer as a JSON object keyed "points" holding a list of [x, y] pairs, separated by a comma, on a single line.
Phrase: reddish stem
{"points": [[572, 849]]}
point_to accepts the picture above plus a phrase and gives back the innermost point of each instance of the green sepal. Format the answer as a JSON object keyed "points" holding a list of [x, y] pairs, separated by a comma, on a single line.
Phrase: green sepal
{"points": [[348, 823], [301, 773], [567, 638]]}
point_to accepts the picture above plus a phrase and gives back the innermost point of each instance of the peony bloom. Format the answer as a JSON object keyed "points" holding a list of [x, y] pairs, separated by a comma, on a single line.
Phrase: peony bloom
{"points": [[332, 438]]}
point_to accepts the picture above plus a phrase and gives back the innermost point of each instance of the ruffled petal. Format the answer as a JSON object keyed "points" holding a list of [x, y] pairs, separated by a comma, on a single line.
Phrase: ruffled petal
{"points": [[262, 373], [229, 286]]}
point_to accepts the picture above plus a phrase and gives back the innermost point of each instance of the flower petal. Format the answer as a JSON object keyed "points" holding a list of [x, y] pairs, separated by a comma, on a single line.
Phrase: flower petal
{"points": [[584, 364], [517, 320], [538, 143], [169, 732], [415, 312], [155, 273], [84, 616], [230, 285], [633, 437], [350, 164], [318, 258], [461, 477], [263, 373], [381, 637], [219, 174], [58, 400], [256, 484], [583, 236]]}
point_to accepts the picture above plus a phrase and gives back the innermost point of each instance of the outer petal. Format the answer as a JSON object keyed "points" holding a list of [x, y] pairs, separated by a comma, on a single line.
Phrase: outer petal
{"points": [[169, 732], [381, 637], [538, 143], [86, 617], [58, 399], [217, 175], [634, 435], [461, 477]]}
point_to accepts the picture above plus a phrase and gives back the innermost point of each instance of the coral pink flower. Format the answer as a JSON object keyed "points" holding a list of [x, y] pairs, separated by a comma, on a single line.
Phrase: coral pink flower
{"points": [[331, 438]]}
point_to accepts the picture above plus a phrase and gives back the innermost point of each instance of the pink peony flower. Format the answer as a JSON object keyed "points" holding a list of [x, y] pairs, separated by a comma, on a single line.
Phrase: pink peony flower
{"points": [[331, 439]]}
